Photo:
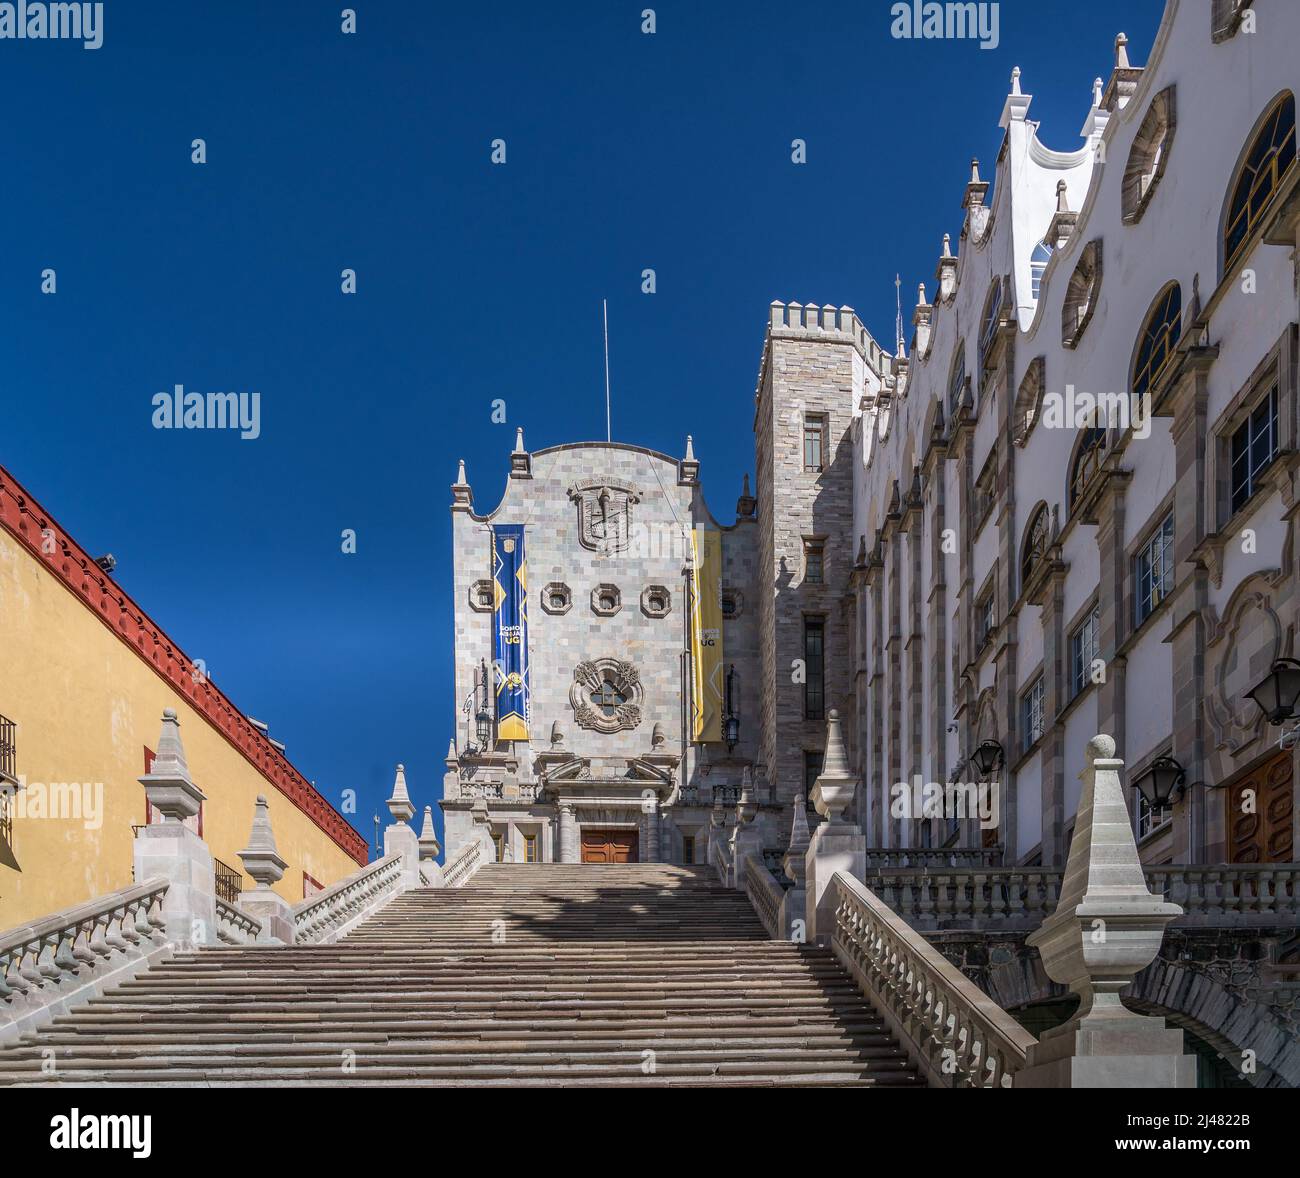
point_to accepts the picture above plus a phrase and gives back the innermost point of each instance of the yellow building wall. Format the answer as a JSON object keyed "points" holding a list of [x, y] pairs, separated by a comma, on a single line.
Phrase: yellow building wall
{"points": [[86, 706]]}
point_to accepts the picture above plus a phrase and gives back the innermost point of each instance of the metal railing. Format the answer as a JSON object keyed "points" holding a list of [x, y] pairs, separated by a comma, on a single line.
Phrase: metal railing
{"points": [[8, 750], [229, 882]]}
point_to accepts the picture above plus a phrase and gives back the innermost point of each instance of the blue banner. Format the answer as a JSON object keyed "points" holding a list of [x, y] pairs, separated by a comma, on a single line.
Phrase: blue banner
{"points": [[510, 630]]}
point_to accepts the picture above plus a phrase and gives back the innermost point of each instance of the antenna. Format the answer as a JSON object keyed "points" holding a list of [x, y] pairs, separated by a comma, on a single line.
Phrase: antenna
{"points": [[898, 319], [604, 308]]}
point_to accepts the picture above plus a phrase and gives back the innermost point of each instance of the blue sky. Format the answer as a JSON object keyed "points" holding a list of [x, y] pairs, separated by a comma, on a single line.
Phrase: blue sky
{"points": [[474, 282]]}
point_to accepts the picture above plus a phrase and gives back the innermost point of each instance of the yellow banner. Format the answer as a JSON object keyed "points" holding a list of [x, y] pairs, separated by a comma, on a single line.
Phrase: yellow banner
{"points": [[707, 678]]}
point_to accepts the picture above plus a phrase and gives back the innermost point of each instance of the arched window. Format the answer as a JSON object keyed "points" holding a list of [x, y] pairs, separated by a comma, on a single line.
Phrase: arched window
{"points": [[1270, 157], [1037, 264], [1037, 539], [1087, 461], [957, 381], [1028, 401], [1164, 324], [1081, 294], [1148, 156]]}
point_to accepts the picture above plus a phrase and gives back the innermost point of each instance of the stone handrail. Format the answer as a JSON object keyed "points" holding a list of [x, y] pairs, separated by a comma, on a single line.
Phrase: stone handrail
{"points": [[722, 861], [957, 1035], [69, 956], [764, 893], [1017, 899], [889, 858], [334, 912], [467, 861], [235, 927]]}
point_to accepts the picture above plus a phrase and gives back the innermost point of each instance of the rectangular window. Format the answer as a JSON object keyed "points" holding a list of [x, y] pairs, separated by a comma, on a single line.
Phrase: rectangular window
{"points": [[530, 849], [688, 848], [1149, 819], [814, 434], [1153, 572], [1254, 446], [986, 490], [814, 661], [814, 563], [812, 769], [1031, 715], [1084, 647], [985, 620]]}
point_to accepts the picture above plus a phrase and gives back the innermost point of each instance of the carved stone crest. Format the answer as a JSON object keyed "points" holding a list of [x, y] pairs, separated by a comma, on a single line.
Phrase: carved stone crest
{"points": [[606, 695], [604, 514]]}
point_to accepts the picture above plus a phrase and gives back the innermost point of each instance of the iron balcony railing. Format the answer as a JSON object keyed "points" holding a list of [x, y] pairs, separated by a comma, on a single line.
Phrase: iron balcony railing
{"points": [[229, 882], [8, 750]]}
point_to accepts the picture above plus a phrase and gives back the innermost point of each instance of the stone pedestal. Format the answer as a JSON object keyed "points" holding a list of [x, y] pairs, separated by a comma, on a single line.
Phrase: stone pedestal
{"points": [[834, 847], [400, 839], [1106, 928], [172, 851]]}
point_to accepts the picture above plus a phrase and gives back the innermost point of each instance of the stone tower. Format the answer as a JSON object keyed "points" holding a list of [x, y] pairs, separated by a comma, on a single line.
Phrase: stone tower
{"points": [[818, 364]]}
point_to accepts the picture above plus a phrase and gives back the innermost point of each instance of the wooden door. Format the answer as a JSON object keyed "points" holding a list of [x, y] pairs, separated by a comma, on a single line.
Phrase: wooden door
{"points": [[1259, 827], [609, 846]]}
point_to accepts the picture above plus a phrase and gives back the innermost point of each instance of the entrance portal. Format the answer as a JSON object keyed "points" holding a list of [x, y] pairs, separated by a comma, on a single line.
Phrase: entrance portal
{"points": [[609, 846]]}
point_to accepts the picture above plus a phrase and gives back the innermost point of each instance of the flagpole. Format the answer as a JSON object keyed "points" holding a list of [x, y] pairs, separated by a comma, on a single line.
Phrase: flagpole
{"points": [[604, 306]]}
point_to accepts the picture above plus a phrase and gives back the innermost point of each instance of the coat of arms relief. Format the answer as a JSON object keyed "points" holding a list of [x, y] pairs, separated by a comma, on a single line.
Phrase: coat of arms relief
{"points": [[604, 514]]}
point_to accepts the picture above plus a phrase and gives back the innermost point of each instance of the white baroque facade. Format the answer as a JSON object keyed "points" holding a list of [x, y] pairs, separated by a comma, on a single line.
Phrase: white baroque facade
{"points": [[1029, 579]]}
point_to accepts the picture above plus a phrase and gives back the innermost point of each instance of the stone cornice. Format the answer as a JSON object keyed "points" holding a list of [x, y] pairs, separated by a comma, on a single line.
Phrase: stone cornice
{"points": [[65, 559]]}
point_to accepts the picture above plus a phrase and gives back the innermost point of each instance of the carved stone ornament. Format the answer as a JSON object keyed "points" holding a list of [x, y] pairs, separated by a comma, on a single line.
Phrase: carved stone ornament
{"points": [[604, 514], [606, 695]]}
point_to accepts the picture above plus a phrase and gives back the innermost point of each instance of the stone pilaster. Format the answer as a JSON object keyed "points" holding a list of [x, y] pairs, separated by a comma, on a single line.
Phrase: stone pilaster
{"points": [[1056, 689]]}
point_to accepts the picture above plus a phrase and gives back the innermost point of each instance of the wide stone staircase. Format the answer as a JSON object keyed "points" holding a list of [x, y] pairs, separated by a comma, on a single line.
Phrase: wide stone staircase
{"points": [[610, 976]]}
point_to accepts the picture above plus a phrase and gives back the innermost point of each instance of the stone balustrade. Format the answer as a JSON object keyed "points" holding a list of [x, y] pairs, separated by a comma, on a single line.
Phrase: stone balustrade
{"points": [[957, 1035], [885, 858], [70, 956], [765, 894], [1017, 899], [235, 927], [466, 862], [334, 912]]}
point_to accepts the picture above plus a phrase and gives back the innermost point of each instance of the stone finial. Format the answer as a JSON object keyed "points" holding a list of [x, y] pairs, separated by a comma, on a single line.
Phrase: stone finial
{"points": [[746, 504], [1017, 104], [688, 469], [1015, 79], [1108, 925], [462, 497], [974, 179], [428, 840], [452, 759], [521, 462], [1121, 52], [261, 858], [836, 784], [1096, 93], [168, 785], [557, 735], [920, 295], [399, 805], [793, 860], [1063, 220], [945, 275]]}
